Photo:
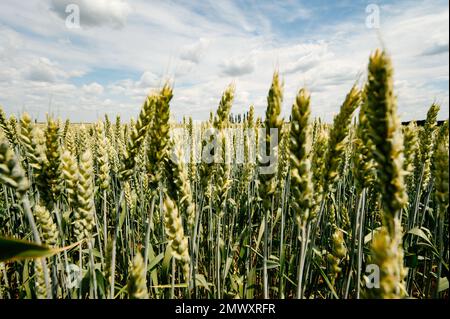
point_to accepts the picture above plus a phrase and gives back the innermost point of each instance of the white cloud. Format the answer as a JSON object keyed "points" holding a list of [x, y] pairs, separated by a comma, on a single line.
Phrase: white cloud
{"points": [[203, 46], [436, 48], [230, 13], [43, 70], [238, 66], [304, 57], [148, 79], [7, 74], [93, 88], [194, 52], [287, 10]]}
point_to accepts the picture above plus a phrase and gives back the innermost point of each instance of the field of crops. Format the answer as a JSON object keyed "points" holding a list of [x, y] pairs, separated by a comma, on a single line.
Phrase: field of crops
{"points": [[228, 208]]}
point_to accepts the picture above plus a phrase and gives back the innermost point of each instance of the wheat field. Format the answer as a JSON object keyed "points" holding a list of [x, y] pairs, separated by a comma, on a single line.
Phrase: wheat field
{"points": [[357, 208]]}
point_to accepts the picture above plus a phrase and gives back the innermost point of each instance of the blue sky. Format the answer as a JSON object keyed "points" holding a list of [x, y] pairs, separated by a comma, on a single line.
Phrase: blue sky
{"points": [[123, 49]]}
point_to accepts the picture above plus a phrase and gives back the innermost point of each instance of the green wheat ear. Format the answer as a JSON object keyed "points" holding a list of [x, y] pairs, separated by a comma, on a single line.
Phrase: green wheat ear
{"points": [[273, 120], [363, 165], [338, 137], [158, 137], [386, 136], [137, 136]]}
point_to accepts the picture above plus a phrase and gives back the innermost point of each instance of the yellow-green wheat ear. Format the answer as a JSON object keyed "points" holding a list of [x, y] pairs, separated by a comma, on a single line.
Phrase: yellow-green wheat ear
{"points": [[158, 135], [69, 170], [103, 169], [137, 136], [411, 152], [69, 141], [50, 183], [318, 166], [6, 128], [222, 170], [108, 260], [387, 254], [251, 117], [222, 175], [427, 136], [48, 227], [411, 146], [248, 164], [337, 254], [84, 213], [174, 231], [66, 128], [284, 154], [274, 103], [33, 140], [223, 111], [137, 282], [178, 183], [301, 179], [26, 139], [11, 172], [130, 195], [13, 128], [192, 168], [39, 279], [440, 170]]}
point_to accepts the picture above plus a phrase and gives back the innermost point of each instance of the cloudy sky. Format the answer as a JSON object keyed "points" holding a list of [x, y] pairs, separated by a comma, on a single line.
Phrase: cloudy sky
{"points": [[122, 49]]}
